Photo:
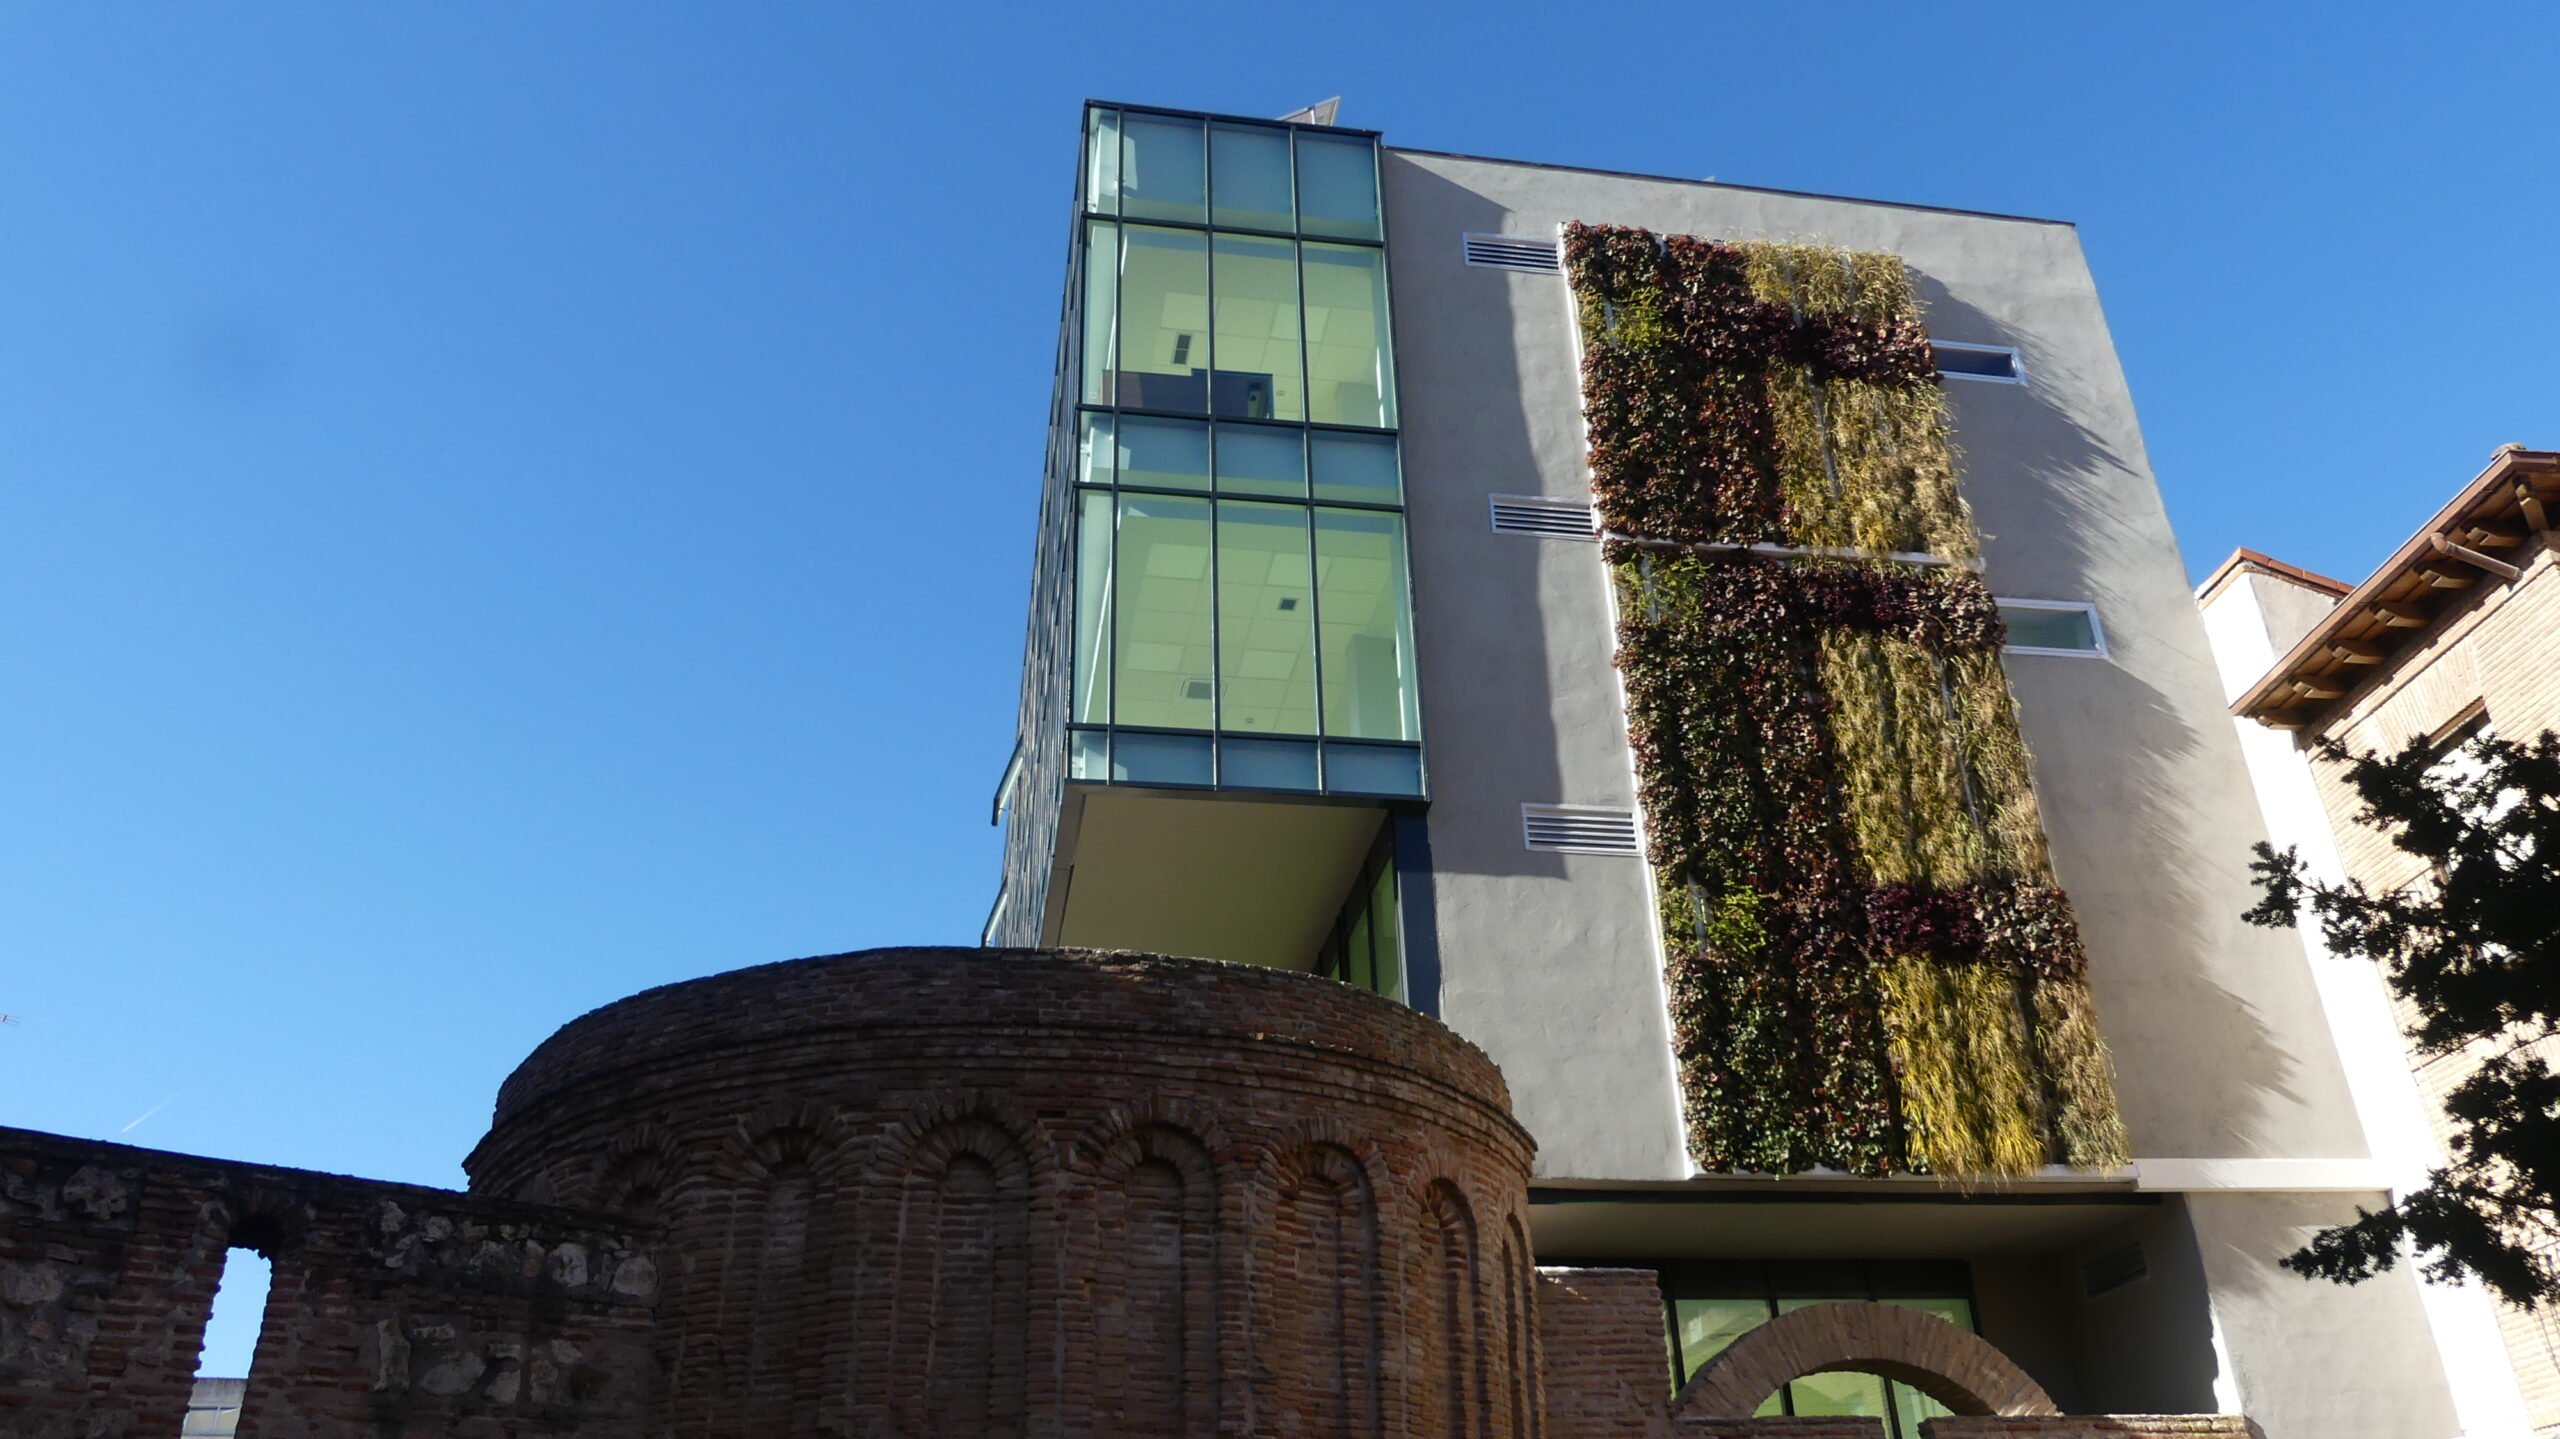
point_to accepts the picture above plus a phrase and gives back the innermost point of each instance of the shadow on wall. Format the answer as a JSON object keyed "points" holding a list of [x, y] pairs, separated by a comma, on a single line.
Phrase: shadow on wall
{"points": [[2124, 830], [1468, 435]]}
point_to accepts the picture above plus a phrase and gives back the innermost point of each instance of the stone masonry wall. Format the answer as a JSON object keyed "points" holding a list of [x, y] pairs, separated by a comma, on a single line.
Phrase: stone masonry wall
{"points": [[394, 1309]]}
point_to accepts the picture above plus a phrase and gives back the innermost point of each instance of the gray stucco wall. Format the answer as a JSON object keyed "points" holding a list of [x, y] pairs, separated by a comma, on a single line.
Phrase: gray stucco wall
{"points": [[2219, 1044], [1549, 961]]}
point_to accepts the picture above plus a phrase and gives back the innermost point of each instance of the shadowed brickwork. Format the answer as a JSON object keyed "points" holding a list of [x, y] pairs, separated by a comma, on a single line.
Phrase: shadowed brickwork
{"points": [[925, 1193]]}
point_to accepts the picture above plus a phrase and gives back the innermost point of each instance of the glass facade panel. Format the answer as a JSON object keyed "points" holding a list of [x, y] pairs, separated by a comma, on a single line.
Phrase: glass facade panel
{"points": [[1088, 754], [1102, 162], [1707, 1312], [1372, 769], [1161, 360], [1162, 171], [1093, 609], [1363, 604], [1095, 451], [1160, 758], [1384, 934], [1161, 643], [1350, 368], [1101, 307], [1266, 763], [1358, 468], [1338, 186], [1255, 614], [1249, 177], [1256, 461], [1163, 454], [1266, 624], [1259, 361]]}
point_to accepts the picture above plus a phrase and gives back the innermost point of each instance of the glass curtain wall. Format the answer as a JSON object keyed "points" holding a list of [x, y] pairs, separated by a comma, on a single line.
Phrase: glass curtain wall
{"points": [[1244, 615]]}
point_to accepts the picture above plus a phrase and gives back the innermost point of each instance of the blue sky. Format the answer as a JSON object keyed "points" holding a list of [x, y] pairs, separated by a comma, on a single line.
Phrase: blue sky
{"points": [[501, 506]]}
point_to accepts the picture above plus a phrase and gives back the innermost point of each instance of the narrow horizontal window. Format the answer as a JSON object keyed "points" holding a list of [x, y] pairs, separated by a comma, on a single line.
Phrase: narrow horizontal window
{"points": [[1960, 361], [1512, 252], [1538, 515], [2053, 627], [1580, 829]]}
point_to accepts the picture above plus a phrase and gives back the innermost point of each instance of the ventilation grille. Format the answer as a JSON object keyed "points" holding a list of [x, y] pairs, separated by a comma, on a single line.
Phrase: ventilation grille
{"points": [[1580, 829], [1511, 252], [1537, 515], [2113, 1270]]}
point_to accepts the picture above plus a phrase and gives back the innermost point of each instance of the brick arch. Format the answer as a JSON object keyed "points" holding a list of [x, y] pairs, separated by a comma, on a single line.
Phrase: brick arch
{"points": [[1942, 1360]]}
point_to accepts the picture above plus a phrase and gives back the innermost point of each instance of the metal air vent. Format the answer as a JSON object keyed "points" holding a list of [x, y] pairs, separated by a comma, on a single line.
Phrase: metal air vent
{"points": [[1580, 829], [1513, 252], [2113, 1270], [1538, 515]]}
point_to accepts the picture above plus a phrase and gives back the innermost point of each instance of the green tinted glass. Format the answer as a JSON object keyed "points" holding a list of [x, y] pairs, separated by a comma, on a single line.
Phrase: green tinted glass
{"points": [[1257, 461], [1163, 353], [1249, 177], [1101, 307], [1350, 365], [1095, 451], [1162, 176], [1384, 933], [1163, 454], [1360, 468], [1102, 162], [1365, 608], [1258, 355], [1160, 661], [1338, 186], [1705, 1328], [1266, 628], [1093, 609]]}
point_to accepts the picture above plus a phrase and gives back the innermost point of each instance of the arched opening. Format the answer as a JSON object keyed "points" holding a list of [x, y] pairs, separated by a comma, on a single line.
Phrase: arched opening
{"points": [[228, 1349], [1889, 1350]]}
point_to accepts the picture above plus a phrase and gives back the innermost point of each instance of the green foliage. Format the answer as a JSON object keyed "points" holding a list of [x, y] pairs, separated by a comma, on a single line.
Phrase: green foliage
{"points": [[1867, 962], [2475, 957]]}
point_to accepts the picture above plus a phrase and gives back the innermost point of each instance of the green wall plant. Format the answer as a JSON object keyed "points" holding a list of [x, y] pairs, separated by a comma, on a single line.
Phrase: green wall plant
{"points": [[1870, 967]]}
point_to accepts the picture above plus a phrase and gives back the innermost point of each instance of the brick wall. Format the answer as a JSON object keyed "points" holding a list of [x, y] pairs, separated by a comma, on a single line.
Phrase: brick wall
{"points": [[915, 1193], [1608, 1369], [2501, 651], [2092, 1426], [392, 1307]]}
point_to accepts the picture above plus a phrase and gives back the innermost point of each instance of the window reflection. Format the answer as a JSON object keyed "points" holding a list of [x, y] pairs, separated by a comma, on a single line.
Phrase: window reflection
{"points": [[1266, 622], [1161, 661], [1350, 372], [1249, 177], [1338, 186], [1162, 174], [1162, 360], [1362, 603], [1257, 352]]}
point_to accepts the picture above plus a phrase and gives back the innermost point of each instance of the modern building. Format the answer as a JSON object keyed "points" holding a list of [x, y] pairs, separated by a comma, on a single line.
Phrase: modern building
{"points": [[1552, 598], [2458, 632]]}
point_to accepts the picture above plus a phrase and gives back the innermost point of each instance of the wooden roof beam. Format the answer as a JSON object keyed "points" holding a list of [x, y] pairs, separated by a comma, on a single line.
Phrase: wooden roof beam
{"points": [[2317, 689], [2536, 513], [2440, 578], [2348, 652], [2469, 556], [2398, 617]]}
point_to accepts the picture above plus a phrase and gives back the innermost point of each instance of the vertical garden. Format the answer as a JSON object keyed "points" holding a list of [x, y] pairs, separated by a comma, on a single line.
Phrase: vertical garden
{"points": [[1870, 966]]}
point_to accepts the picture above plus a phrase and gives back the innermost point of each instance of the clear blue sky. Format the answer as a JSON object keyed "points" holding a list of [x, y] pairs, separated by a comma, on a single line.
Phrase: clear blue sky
{"points": [[503, 505]]}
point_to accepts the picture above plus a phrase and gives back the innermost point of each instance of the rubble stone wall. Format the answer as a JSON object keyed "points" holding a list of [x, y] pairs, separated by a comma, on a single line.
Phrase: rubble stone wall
{"points": [[393, 1308]]}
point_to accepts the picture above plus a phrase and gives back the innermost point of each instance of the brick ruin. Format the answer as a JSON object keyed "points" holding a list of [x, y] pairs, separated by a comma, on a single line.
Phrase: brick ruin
{"points": [[925, 1192]]}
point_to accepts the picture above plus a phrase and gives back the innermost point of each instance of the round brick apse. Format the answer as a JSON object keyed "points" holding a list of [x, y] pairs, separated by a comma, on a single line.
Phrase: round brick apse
{"points": [[944, 1192]]}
